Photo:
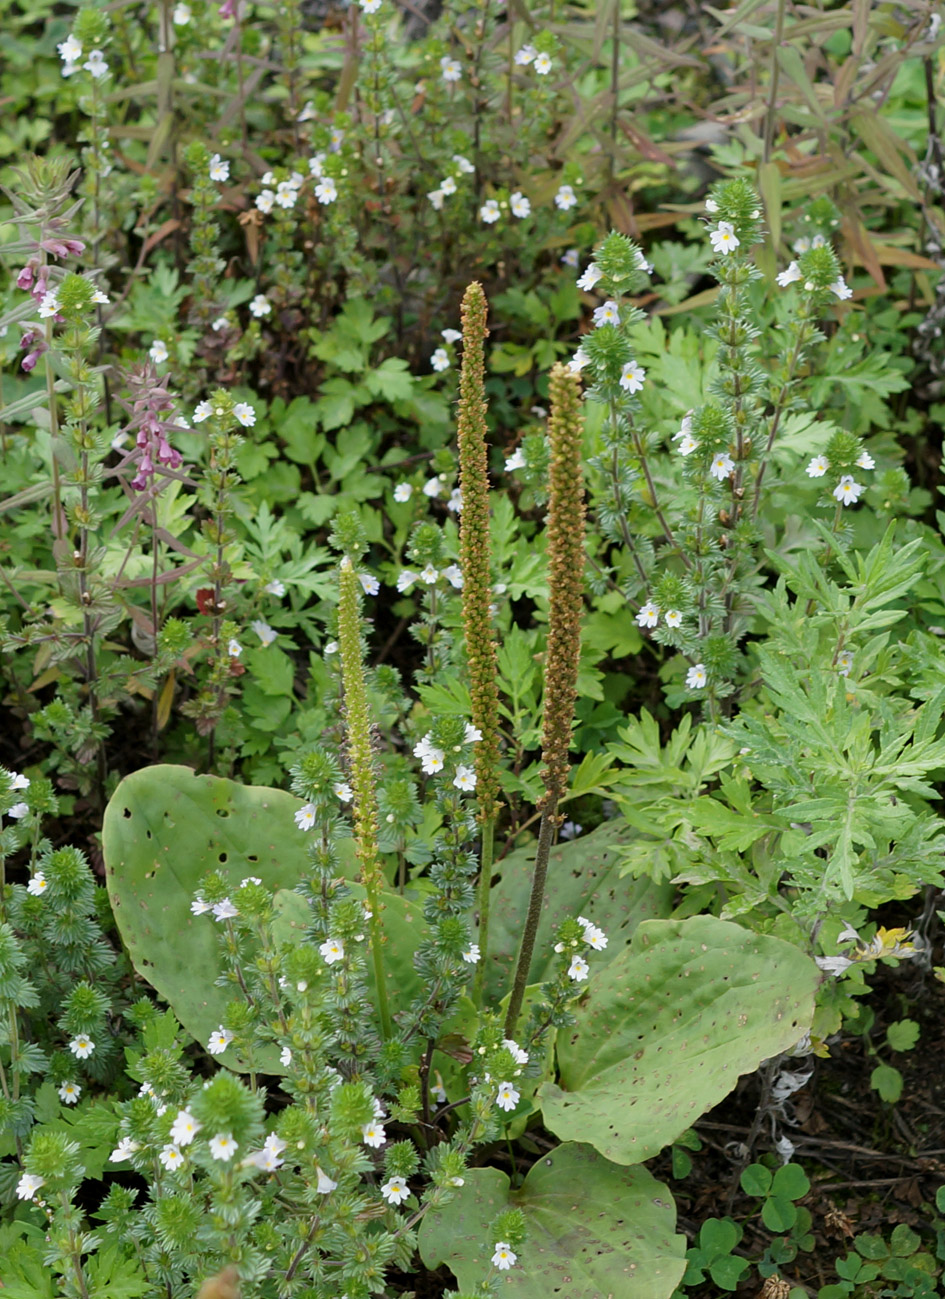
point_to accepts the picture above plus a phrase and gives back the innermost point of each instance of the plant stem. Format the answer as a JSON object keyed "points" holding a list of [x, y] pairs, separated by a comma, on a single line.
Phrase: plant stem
{"points": [[539, 875]]}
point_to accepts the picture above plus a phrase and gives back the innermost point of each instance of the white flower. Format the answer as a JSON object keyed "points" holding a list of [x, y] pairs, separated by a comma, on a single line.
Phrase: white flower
{"points": [[471, 954], [199, 907], [428, 575], [440, 360], [262, 629], [245, 414], [81, 1046], [18, 781], [331, 647], [642, 263], [595, 937], [124, 1150], [431, 759], [182, 15], [286, 194], [565, 198], [68, 69], [455, 502], [202, 411], [463, 164], [649, 615], [465, 778], [722, 465], [711, 206], [316, 165], [70, 51], [224, 910], [841, 289], [332, 949], [578, 361], [158, 351], [447, 185], [450, 69], [570, 830], [219, 169], [436, 197], [866, 461], [343, 791], [372, 1134], [336, 139], [515, 461], [432, 486], [326, 191], [37, 885], [687, 445], [673, 618], [98, 295], [305, 816], [632, 376], [260, 306], [325, 1184], [818, 467], [451, 335], [184, 1128], [438, 1092], [525, 55], [370, 6], [369, 583], [590, 277], [696, 676], [489, 212], [406, 579], [818, 241], [507, 1096], [520, 205], [28, 1185], [570, 257], [504, 1256], [847, 490], [579, 969], [395, 1190], [48, 306], [234, 648], [403, 493], [69, 1093], [607, 314], [269, 1157], [787, 277], [171, 1158], [801, 245], [285, 1056], [542, 64], [219, 1041], [223, 1147], [454, 575], [97, 66], [724, 239], [844, 663], [519, 1054]]}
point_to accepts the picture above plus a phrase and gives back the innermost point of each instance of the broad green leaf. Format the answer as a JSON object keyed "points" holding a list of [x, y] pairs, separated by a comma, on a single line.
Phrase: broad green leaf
{"points": [[164, 828], [667, 1028], [592, 1229]]}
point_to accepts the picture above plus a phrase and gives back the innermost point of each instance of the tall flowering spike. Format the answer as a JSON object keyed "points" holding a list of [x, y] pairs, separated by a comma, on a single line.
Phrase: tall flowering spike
{"points": [[474, 550], [565, 580], [361, 764]]}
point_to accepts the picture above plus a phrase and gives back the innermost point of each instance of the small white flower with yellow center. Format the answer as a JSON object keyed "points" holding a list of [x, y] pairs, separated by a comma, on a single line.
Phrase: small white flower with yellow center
{"points": [[326, 191], [464, 165], [841, 289], [515, 461], [448, 186], [673, 618], [565, 198], [847, 491], [607, 314], [224, 910], [632, 376], [37, 885], [332, 950], [182, 15], [579, 969], [28, 1185], [369, 583], [787, 277], [436, 197], [184, 1128], [503, 1256], [81, 1046], [244, 414], [286, 194], [570, 258], [223, 1147], [260, 306], [696, 676], [818, 467], [844, 663], [450, 69], [343, 791], [171, 1158], [403, 493], [543, 64], [124, 1150], [69, 1093], [687, 445], [219, 168], [219, 1041], [440, 360], [234, 648], [649, 615], [373, 1134], [265, 633], [866, 461], [721, 466], [158, 351], [395, 1190], [520, 205], [489, 212], [578, 361], [465, 779], [590, 277], [507, 1096], [711, 206], [525, 55], [428, 575], [724, 239], [370, 6], [305, 816], [471, 954]]}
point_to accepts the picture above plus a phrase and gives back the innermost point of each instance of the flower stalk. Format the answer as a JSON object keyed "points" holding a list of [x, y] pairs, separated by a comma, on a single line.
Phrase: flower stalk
{"points": [[566, 516]]}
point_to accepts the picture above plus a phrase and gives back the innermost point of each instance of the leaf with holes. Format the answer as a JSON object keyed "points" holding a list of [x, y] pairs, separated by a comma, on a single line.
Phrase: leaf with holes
{"points": [[667, 1028], [164, 828], [591, 1229], [583, 879]]}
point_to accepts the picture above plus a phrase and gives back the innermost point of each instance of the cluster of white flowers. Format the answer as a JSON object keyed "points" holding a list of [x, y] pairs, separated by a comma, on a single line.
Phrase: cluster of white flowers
{"points": [[429, 576], [847, 491], [448, 186], [70, 51], [793, 273], [269, 1157], [16, 813], [528, 56]]}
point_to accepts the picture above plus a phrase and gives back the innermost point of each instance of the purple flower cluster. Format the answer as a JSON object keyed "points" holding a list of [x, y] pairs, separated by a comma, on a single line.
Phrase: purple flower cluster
{"points": [[151, 422], [34, 279]]}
